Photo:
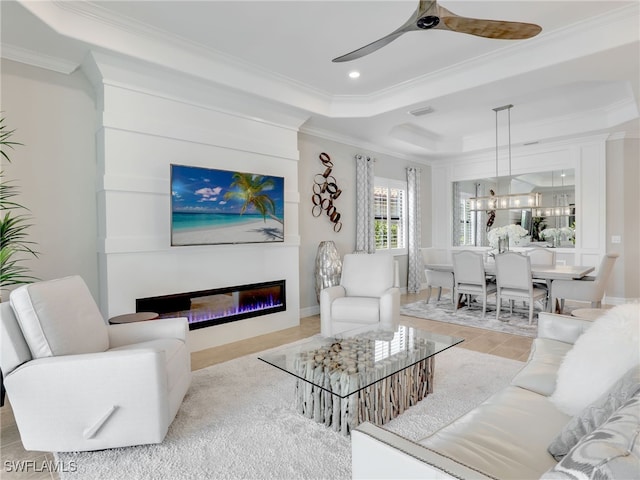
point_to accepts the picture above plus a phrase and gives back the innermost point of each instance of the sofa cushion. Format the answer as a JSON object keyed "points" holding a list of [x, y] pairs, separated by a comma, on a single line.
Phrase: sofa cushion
{"points": [[539, 373], [612, 451], [504, 437], [561, 327], [596, 414], [59, 317], [598, 359]]}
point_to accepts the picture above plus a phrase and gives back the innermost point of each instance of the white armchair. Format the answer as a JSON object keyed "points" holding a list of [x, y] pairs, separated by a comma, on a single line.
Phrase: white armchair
{"points": [[78, 384], [587, 289], [367, 295]]}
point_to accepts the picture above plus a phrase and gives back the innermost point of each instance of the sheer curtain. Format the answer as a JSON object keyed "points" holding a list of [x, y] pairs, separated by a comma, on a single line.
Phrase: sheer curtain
{"points": [[457, 226], [416, 268], [365, 240]]}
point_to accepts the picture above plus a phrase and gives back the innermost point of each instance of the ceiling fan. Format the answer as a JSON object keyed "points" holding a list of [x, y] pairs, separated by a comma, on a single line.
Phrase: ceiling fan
{"points": [[429, 15]]}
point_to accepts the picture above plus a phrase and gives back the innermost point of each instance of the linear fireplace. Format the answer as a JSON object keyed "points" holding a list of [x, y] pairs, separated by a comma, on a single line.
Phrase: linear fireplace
{"points": [[205, 308]]}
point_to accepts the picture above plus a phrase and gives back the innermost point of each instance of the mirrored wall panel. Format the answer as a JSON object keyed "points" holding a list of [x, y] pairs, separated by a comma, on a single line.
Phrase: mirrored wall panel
{"points": [[536, 208]]}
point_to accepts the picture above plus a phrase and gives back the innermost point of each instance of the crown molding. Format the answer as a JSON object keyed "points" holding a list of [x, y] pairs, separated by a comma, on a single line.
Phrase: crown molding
{"points": [[100, 28], [353, 142], [108, 70], [99, 14], [582, 39], [617, 136], [37, 59], [96, 26], [622, 135]]}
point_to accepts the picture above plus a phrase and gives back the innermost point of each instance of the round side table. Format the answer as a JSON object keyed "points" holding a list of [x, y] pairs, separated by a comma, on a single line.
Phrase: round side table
{"points": [[588, 313], [133, 317]]}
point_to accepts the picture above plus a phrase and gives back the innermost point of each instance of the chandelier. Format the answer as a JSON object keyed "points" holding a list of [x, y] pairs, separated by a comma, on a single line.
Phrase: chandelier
{"points": [[531, 201]]}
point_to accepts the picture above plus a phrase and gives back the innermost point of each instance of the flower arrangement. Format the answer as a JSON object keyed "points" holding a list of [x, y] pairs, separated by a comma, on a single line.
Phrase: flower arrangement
{"points": [[515, 233], [554, 235]]}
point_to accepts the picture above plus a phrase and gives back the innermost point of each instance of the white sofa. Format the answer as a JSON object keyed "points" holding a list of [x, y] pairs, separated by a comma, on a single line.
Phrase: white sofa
{"points": [[77, 384], [506, 437]]}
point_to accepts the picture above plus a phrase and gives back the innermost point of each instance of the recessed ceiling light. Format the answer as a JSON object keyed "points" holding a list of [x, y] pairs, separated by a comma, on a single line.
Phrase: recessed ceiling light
{"points": [[354, 74]]}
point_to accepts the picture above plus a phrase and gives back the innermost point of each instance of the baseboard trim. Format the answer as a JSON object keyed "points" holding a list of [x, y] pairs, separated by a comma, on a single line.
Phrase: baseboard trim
{"points": [[310, 311], [619, 300]]}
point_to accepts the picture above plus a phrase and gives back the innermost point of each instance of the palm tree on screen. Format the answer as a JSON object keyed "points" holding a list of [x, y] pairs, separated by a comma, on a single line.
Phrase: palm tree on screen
{"points": [[250, 190]]}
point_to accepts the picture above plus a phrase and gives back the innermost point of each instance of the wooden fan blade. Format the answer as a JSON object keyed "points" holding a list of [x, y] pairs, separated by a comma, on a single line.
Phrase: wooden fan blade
{"points": [[499, 29], [407, 26], [367, 49]]}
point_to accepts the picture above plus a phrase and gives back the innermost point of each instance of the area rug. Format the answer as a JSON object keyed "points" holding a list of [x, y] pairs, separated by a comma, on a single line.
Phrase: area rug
{"points": [[238, 421], [444, 311]]}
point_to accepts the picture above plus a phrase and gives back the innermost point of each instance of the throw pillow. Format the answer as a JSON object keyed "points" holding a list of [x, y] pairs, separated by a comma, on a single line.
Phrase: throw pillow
{"points": [[595, 414], [600, 356], [609, 452]]}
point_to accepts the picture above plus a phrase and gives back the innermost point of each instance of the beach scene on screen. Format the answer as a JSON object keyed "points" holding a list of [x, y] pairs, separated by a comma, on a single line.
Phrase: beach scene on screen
{"points": [[211, 206]]}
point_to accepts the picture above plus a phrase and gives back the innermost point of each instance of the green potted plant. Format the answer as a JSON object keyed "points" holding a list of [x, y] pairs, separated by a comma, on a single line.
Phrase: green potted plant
{"points": [[14, 223]]}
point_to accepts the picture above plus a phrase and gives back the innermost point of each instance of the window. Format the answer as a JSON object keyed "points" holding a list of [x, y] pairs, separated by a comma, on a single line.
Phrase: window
{"points": [[467, 221], [389, 198]]}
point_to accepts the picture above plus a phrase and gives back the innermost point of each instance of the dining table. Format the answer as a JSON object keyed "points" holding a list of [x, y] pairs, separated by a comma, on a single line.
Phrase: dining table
{"points": [[539, 272]]}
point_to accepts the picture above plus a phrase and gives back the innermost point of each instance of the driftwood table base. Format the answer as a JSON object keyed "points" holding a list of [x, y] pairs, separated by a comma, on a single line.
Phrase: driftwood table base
{"points": [[362, 375], [377, 403]]}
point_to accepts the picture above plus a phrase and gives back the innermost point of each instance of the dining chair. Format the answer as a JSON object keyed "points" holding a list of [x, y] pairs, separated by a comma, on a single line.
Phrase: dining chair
{"points": [[470, 278], [542, 256], [437, 279], [514, 282], [586, 289]]}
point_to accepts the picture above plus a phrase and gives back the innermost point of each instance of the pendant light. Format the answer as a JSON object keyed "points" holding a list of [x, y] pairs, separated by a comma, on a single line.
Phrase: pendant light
{"points": [[508, 200]]}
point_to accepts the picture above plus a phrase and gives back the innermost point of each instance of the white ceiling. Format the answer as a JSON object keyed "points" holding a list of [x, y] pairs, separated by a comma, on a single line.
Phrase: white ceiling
{"points": [[579, 76]]}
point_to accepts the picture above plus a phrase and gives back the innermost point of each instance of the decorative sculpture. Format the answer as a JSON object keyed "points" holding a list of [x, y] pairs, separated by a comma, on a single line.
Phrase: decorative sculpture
{"points": [[328, 266]]}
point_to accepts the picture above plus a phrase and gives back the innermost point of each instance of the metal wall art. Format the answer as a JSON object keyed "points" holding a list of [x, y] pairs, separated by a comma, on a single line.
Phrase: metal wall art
{"points": [[325, 192]]}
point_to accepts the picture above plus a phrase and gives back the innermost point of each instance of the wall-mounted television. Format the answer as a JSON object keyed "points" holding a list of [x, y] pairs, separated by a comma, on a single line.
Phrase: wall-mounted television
{"points": [[211, 206]]}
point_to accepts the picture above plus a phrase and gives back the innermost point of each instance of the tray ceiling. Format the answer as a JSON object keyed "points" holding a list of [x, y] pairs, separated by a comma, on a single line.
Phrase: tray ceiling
{"points": [[581, 75]]}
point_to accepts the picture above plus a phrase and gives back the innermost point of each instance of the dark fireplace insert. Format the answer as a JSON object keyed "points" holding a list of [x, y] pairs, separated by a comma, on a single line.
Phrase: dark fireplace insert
{"points": [[205, 308]]}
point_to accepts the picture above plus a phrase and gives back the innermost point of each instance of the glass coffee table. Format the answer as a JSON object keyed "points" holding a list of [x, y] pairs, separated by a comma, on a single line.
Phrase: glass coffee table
{"points": [[363, 375]]}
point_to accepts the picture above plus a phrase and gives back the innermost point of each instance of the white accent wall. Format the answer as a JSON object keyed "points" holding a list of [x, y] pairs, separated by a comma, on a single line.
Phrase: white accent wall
{"points": [[148, 120]]}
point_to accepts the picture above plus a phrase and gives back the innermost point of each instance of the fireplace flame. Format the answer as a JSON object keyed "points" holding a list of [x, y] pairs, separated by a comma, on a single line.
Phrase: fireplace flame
{"points": [[204, 314]]}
